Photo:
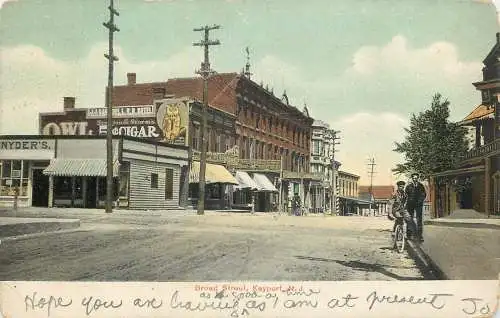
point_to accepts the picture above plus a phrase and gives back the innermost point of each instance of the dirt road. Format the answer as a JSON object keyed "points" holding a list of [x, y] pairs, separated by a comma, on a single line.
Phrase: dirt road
{"points": [[220, 246]]}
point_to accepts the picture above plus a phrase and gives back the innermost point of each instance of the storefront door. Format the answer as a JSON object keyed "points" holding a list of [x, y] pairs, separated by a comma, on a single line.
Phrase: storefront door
{"points": [[40, 189], [91, 199]]}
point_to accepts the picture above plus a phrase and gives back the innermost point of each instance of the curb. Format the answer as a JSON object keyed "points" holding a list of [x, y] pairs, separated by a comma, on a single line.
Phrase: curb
{"points": [[466, 225], [427, 266], [23, 237], [19, 229]]}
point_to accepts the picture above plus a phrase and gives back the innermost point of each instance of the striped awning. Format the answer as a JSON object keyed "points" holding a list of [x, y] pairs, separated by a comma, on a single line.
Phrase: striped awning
{"points": [[264, 183], [213, 174], [80, 168], [245, 181]]}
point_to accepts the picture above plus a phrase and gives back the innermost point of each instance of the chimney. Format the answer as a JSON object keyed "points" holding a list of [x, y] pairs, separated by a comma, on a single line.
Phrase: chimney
{"points": [[131, 78], [159, 92], [69, 103]]}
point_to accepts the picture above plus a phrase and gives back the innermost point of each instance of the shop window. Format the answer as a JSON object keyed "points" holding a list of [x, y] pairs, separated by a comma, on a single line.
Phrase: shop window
{"points": [[169, 184], [14, 176], [124, 179], [154, 181]]}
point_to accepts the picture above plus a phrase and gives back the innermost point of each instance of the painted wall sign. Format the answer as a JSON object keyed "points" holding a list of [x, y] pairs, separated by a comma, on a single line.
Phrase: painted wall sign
{"points": [[141, 131], [167, 121], [123, 112], [66, 128], [25, 145], [22, 149]]}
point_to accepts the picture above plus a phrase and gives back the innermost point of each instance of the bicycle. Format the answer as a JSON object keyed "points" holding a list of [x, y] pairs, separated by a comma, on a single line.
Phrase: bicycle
{"points": [[400, 235]]}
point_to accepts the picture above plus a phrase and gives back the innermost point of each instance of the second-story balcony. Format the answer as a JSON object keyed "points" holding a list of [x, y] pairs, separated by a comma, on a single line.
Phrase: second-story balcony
{"points": [[490, 149]]}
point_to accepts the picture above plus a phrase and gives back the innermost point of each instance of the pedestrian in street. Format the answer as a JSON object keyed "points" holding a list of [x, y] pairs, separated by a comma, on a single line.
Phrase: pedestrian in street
{"points": [[415, 192], [399, 210]]}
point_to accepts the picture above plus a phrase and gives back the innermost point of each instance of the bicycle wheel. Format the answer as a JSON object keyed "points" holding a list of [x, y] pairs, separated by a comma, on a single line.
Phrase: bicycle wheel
{"points": [[399, 239]]}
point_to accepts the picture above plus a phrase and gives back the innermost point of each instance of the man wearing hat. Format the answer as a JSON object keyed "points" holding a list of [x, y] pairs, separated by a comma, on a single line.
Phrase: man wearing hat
{"points": [[415, 193], [398, 210]]}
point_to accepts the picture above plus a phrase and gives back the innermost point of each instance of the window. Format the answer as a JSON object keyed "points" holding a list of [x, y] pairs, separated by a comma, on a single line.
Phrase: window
{"points": [[196, 138], [154, 181], [169, 184], [316, 147], [14, 175], [124, 179]]}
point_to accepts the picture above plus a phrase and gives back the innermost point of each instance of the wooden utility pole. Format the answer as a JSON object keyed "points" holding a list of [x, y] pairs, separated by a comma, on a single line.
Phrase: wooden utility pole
{"points": [[371, 164], [333, 203], [205, 73], [110, 25]]}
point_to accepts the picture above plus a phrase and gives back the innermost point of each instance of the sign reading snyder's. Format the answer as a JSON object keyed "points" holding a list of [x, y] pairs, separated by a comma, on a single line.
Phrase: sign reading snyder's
{"points": [[167, 121]]}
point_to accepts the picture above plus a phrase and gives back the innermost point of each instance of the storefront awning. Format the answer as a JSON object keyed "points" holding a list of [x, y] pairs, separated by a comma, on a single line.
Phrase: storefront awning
{"points": [[245, 181], [80, 168], [264, 183], [357, 200], [213, 174]]}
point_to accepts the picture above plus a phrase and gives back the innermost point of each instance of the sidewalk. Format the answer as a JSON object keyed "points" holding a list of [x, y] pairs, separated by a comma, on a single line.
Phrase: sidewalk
{"points": [[463, 246]]}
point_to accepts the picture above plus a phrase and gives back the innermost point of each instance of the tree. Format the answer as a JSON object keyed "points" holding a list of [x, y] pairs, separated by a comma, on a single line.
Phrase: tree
{"points": [[432, 143]]}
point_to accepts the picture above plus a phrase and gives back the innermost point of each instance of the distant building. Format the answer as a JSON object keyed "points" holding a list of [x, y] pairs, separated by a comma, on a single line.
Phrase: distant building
{"points": [[347, 193], [381, 195]]}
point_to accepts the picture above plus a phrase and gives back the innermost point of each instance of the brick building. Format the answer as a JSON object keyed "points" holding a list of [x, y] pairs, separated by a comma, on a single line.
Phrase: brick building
{"points": [[272, 137]]}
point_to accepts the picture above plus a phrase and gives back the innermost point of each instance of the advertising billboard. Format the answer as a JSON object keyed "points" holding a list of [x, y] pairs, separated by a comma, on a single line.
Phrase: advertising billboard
{"points": [[166, 121]]}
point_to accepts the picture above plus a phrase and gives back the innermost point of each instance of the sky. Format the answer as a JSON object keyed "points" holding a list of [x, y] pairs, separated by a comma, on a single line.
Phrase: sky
{"points": [[362, 66]]}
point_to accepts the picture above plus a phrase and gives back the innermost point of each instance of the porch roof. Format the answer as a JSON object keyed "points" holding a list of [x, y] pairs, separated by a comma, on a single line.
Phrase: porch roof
{"points": [[80, 168], [462, 171], [480, 112]]}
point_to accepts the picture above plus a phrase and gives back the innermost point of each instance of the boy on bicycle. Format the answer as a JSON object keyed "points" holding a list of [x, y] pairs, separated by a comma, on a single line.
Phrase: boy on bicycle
{"points": [[399, 211]]}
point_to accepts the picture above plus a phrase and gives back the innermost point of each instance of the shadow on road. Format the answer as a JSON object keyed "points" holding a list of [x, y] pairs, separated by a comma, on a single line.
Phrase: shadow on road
{"points": [[386, 230], [361, 266]]}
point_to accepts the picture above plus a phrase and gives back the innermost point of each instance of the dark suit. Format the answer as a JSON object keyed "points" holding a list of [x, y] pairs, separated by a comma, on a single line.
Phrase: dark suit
{"points": [[416, 194]]}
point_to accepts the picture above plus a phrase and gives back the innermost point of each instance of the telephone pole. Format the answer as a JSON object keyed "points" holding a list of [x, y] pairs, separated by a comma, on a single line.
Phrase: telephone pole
{"points": [[371, 164], [205, 73], [110, 25], [333, 203]]}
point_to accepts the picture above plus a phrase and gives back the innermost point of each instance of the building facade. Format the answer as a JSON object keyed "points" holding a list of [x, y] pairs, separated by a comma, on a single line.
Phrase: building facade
{"points": [[271, 136], [348, 193], [70, 171], [475, 183], [322, 164]]}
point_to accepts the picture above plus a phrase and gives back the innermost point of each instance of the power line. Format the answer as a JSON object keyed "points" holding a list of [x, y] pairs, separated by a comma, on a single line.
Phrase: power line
{"points": [[110, 25], [205, 72]]}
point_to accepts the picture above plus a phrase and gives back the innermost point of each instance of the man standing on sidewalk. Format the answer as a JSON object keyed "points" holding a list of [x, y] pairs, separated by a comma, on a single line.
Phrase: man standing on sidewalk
{"points": [[415, 192]]}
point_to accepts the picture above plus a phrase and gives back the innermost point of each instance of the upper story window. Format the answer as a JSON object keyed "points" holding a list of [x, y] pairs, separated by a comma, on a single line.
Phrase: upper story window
{"points": [[485, 96], [316, 147]]}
